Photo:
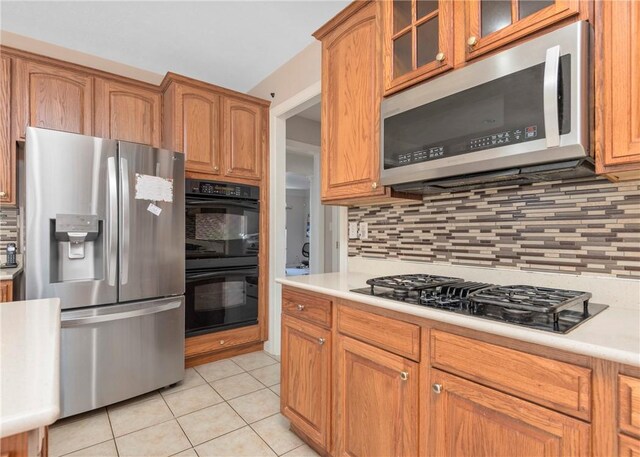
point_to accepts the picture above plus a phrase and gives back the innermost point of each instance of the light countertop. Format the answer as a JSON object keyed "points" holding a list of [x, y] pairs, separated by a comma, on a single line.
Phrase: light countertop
{"points": [[614, 334], [29, 365], [7, 274]]}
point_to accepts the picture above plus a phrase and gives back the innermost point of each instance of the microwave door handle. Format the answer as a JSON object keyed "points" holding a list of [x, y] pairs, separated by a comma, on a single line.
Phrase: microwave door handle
{"points": [[550, 99], [112, 240]]}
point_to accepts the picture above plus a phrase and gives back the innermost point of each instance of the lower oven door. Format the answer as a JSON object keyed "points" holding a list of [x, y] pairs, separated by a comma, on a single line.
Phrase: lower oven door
{"points": [[220, 299]]}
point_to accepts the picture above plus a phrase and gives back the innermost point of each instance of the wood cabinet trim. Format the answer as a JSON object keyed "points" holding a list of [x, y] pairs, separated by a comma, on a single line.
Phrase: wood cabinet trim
{"points": [[628, 446], [7, 142], [340, 18]]}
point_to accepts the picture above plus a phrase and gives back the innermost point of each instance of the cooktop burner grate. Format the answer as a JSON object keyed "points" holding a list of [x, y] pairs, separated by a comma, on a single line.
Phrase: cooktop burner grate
{"points": [[412, 282], [530, 298]]}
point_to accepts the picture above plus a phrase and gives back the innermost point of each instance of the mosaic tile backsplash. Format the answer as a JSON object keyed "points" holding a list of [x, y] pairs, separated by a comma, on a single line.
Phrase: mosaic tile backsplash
{"points": [[8, 227], [587, 226]]}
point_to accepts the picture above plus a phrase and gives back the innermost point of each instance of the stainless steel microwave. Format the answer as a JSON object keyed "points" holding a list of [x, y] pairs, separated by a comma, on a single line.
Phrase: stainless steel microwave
{"points": [[517, 116]]}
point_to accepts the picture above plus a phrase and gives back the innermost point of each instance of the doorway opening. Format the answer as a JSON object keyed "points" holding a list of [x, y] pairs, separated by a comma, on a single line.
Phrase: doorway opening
{"points": [[295, 159]]}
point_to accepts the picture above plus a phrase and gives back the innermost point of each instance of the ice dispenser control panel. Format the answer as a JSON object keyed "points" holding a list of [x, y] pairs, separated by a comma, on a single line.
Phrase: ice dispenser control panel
{"points": [[76, 229]]}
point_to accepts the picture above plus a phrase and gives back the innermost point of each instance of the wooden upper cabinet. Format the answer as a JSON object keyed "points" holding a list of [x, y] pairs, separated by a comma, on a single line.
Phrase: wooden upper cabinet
{"points": [[351, 96], [306, 378], [470, 419], [52, 97], [417, 41], [376, 402], [192, 126], [490, 24], [127, 112], [617, 90], [243, 139], [7, 146]]}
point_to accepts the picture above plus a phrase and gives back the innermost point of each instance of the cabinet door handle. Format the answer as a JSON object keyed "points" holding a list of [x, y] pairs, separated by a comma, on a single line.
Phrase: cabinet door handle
{"points": [[472, 41], [321, 341], [3, 193], [374, 185], [440, 57], [216, 168], [437, 388], [300, 307], [404, 375]]}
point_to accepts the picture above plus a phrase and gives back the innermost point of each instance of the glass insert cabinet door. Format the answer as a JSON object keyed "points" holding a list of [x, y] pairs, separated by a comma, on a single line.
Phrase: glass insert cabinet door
{"points": [[491, 24], [418, 40]]}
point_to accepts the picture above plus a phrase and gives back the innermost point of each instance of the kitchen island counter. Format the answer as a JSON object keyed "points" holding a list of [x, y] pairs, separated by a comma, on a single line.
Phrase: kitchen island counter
{"points": [[29, 365]]}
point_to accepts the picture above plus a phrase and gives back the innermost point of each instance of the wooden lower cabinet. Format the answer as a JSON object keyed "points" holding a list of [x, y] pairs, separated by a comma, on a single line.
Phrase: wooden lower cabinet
{"points": [[306, 378], [473, 420], [6, 291], [376, 401]]}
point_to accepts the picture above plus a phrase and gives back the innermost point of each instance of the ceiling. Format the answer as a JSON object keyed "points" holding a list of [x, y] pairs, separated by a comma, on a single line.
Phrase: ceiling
{"points": [[312, 113], [235, 44]]}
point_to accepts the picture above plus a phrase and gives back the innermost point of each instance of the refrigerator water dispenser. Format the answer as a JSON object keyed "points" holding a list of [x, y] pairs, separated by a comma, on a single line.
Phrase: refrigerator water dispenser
{"points": [[76, 229]]}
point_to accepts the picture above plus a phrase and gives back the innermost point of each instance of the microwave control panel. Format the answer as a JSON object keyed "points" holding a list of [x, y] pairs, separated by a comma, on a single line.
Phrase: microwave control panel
{"points": [[504, 138]]}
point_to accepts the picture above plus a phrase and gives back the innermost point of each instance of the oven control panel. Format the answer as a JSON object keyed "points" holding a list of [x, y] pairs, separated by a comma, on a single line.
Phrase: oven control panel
{"points": [[221, 189]]}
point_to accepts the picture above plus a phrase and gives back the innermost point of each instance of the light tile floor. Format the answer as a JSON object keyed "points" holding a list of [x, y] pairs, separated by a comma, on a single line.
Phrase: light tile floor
{"points": [[225, 408]]}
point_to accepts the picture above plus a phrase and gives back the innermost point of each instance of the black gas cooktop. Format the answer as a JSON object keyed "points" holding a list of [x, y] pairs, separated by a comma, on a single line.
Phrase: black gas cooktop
{"points": [[542, 308]]}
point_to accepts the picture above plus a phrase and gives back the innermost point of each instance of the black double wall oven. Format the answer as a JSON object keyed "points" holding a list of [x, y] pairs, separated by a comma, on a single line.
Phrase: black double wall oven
{"points": [[222, 246]]}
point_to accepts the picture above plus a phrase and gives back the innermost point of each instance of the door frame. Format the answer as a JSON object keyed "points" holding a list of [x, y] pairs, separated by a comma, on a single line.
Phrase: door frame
{"points": [[278, 116]]}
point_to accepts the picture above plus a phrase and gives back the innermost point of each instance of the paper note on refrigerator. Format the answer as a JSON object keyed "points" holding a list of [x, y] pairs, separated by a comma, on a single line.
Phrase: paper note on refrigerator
{"points": [[154, 188]]}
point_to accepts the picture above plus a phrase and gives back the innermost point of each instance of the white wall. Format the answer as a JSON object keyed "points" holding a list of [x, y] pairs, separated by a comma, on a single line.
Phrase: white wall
{"points": [[303, 130], [298, 74], [297, 213]]}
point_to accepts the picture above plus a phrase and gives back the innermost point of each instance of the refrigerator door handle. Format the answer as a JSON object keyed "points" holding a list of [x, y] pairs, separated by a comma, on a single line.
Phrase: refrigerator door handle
{"points": [[124, 174], [112, 240], [94, 319]]}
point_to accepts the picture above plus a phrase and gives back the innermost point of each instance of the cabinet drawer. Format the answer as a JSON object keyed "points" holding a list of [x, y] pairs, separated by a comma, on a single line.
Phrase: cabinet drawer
{"points": [[557, 385], [219, 341], [629, 410], [392, 335], [307, 306]]}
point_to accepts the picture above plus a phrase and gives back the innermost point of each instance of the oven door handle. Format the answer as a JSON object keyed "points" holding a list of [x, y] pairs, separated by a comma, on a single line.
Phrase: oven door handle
{"points": [[219, 202], [216, 274]]}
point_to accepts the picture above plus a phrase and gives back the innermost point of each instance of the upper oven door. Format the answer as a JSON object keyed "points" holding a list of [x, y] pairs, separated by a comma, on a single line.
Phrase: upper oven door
{"points": [[219, 228], [524, 106]]}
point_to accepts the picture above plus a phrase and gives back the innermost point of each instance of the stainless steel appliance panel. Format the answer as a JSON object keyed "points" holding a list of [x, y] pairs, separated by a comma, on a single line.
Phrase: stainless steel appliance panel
{"points": [[151, 230], [68, 174], [112, 353], [547, 50]]}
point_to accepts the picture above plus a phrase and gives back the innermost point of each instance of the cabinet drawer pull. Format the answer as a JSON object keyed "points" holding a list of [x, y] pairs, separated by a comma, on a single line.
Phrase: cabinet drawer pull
{"points": [[321, 341], [300, 307], [404, 375], [222, 342], [437, 388], [216, 168]]}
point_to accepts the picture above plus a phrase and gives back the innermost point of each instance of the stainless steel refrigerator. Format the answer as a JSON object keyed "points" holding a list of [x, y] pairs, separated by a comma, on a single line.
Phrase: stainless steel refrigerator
{"points": [[104, 232]]}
